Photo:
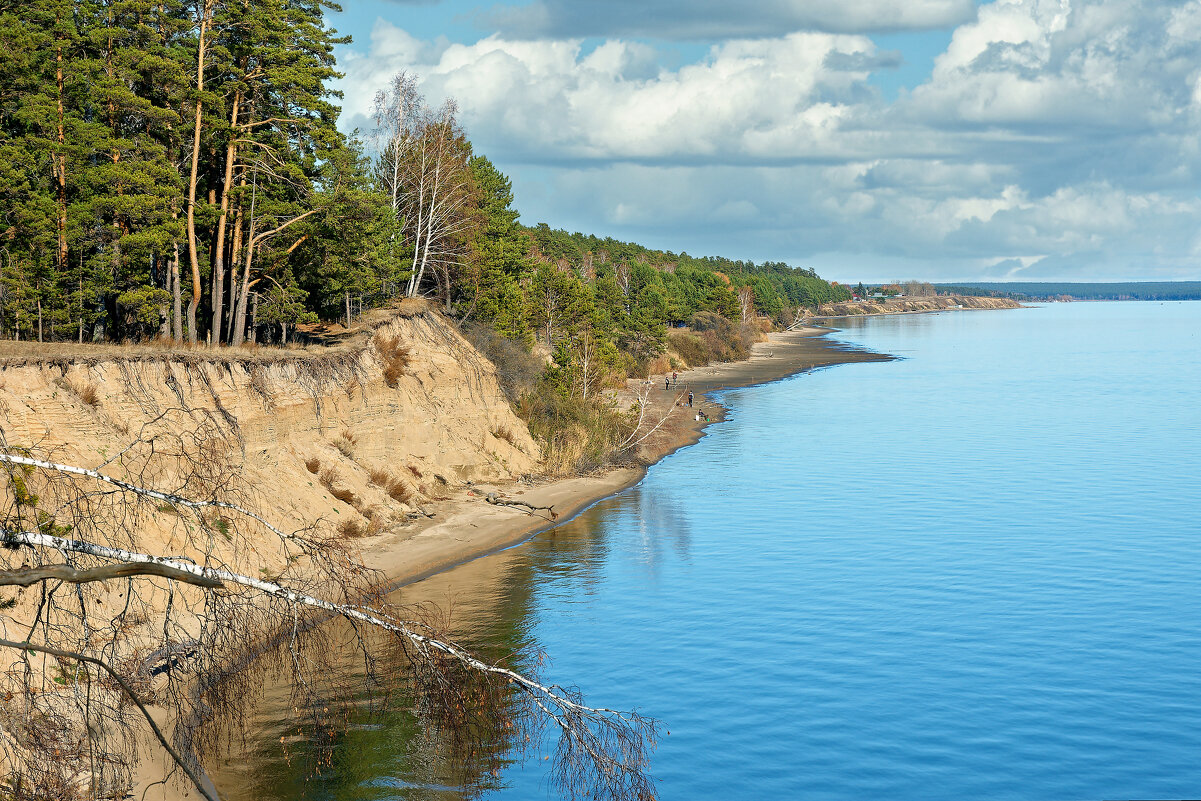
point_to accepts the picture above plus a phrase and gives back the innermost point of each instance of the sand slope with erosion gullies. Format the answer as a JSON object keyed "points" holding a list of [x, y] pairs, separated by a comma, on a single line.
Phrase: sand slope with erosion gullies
{"points": [[445, 420]]}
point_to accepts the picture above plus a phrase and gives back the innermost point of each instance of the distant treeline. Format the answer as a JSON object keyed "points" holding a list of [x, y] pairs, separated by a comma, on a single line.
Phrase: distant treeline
{"points": [[1037, 290], [604, 307]]}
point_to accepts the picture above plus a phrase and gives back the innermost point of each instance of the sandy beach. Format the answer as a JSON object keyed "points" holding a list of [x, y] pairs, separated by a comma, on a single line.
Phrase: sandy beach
{"points": [[467, 526]]}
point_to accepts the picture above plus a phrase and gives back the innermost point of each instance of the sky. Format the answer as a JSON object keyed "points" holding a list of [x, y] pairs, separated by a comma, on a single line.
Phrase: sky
{"points": [[872, 140]]}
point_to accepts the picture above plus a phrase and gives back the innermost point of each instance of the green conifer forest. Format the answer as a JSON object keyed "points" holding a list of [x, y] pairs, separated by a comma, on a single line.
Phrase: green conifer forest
{"points": [[174, 170]]}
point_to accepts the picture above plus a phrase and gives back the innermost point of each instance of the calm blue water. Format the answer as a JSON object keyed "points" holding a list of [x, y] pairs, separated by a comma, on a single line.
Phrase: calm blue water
{"points": [[973, 573]]}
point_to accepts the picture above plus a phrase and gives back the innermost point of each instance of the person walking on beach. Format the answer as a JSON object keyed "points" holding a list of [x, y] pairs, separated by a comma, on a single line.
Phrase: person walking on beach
{"points": [[690, 399]]}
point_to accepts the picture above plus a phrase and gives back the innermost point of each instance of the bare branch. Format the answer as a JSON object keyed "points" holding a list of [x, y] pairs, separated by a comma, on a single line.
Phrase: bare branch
{"points": [[116, 676], [497, 500], [27, 576], [167, 497]]}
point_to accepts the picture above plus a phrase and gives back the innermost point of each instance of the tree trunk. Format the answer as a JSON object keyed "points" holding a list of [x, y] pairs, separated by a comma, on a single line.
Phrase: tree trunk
{"points": [[429, 233], [415, 279], [60, 161], [240, 315], [235, 255], [176, 296], [346, 297], [238, 334], [239, 324], [206, 13], [231, 151]]}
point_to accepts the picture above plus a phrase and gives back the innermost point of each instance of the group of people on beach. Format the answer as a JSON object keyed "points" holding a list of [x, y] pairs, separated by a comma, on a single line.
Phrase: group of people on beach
{"points": [[673, 381]]}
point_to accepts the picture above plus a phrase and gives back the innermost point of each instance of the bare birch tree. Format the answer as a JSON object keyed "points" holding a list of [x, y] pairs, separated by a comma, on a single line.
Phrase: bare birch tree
{"points": [[150, 579], [422, 157], [746, 304]]}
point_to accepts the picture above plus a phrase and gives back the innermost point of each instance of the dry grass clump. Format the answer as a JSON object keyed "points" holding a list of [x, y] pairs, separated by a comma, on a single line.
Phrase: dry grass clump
{"points": [[344, 494], [313, 464], [394, 357], [352, 529], [345, 442], [86, 392], [89, 394], [415, 471], [503, 432], [396, 487], [329, 479], [658, 365]]}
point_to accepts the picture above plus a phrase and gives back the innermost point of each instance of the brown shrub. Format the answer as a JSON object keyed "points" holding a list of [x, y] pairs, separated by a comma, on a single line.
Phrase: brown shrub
{"points": [[394, 486], [713, 338], [344, 494], [313, 464], [691, 348], [517, 368], [400, 491], [503, 432], [85, 392], [657, 365], [415, 471], [394, 357], [352, 529]]}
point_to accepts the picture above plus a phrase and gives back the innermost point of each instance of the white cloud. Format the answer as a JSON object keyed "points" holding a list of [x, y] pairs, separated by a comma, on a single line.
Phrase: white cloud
{"points": [[747, 101], [1052, 135], [1052, 63]]}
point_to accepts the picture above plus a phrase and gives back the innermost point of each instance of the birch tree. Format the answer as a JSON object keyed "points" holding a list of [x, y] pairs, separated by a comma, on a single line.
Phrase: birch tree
{"points": [[423, 167]]}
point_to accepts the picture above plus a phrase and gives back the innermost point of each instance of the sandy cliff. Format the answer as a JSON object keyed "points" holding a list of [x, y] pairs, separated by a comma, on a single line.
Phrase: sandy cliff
{"points": [[901, 305], [443, 420]]}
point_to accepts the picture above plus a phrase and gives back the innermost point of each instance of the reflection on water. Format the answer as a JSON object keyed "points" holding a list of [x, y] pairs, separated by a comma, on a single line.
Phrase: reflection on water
{"points": [[970, 573], [378, 744]]}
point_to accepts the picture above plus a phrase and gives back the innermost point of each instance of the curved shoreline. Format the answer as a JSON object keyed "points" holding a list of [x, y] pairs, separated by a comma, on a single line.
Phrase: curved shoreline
{"points": [[468, 528]]}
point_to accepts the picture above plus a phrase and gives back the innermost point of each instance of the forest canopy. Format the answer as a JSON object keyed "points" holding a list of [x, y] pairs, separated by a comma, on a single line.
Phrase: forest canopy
{"points": [[174, 169]]}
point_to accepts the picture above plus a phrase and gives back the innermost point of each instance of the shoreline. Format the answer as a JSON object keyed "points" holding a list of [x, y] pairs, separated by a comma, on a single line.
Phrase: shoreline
{"points": [[468, 528]]}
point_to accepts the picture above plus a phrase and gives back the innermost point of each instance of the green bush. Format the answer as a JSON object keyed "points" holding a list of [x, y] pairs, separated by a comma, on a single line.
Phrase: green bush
{"points": [[576, 436]]}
